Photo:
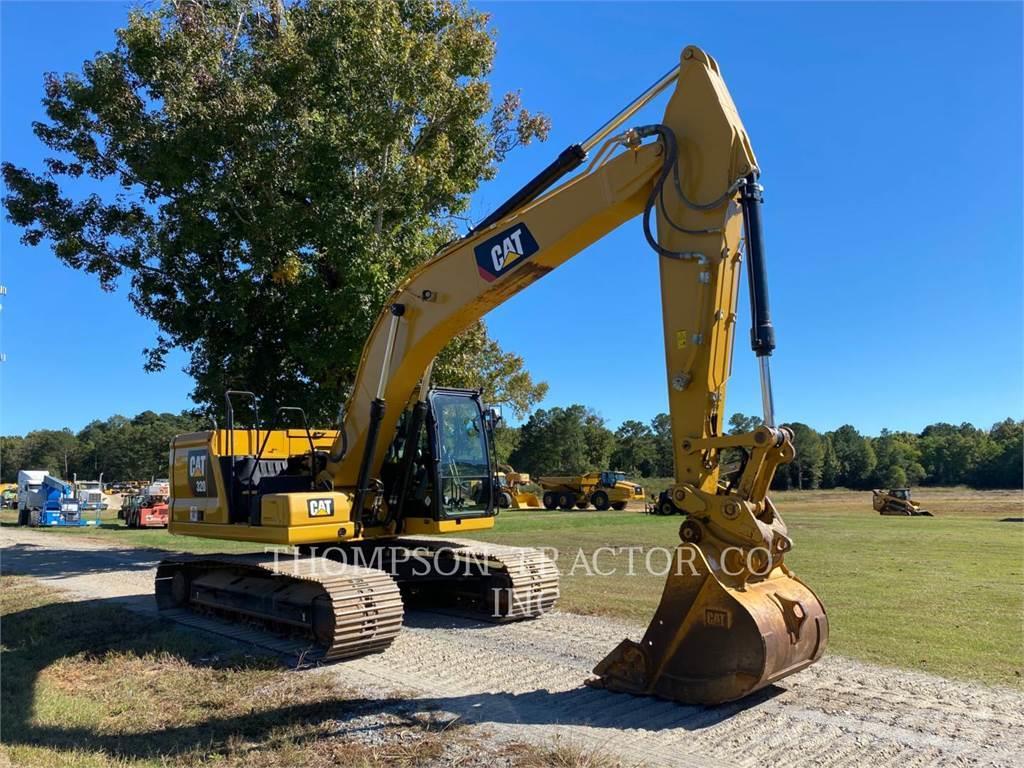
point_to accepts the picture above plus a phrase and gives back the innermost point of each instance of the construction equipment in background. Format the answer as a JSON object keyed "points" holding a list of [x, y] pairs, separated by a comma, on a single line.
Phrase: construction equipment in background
{"points": [[30, 481], [604, 490], [897, 502], [661, 505], [45, 500], [90, 494], [9, 496], [512, 490], [149, 508], [411, 459]]}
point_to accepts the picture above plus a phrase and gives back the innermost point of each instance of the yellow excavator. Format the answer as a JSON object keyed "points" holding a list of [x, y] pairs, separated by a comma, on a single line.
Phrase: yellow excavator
{"points": [[371, 510]]}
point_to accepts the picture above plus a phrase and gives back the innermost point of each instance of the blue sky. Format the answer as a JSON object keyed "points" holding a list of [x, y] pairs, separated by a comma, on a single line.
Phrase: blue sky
{"points": [[889, 136]]}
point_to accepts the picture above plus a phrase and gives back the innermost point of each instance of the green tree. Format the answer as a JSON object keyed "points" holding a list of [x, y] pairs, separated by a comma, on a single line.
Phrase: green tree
{"points": [[55, 450], [1002, 462], [898, 456], [11, 452], [635, 448], [804, 472], [475, 361], [572, 439], [855, 457], [830, 469], [740, 423], [506, 440], [895, 477], [598, 440], [951, 454], [265, 175], [664, 455]]}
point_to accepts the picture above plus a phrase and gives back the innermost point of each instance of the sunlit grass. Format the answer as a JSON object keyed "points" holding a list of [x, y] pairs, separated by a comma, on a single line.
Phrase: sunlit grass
{"points": [[943, 594]]}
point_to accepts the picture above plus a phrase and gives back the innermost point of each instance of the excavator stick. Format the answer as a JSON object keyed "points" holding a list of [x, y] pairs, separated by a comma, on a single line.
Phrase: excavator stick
{"points": [[710, 643]]}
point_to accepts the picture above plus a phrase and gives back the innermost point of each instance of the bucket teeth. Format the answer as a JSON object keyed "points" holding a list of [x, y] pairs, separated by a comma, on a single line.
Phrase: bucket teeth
{"points": [[710, 643]]}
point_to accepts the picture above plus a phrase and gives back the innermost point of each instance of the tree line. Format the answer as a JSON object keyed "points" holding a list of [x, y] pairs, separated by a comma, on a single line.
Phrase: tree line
{"points": [[576, 439], [120, 448]]}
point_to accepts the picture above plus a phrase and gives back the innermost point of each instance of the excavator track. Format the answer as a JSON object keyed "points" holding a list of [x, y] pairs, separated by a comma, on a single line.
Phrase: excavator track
{"points": [[344, 610], [512, 583]]}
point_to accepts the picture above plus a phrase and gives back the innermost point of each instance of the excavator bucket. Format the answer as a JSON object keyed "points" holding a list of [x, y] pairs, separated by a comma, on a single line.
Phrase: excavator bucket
{"points": [[710, 643]]}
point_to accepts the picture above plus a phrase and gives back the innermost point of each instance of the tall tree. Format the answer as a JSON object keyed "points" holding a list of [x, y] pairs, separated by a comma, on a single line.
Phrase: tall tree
{"points": [[11, 457], [1004, 467], [54, 450], [265, 174], [506, 440], [476, 361], [830, 469], [634, 448], [740, 423], [898, 459], [805, 471], [855, 456], [572, 439], [664, 455], [951, 454]]}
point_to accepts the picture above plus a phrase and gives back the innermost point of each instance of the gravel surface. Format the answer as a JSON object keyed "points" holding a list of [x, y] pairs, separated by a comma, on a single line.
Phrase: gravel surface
{"points": [[523, 682]]}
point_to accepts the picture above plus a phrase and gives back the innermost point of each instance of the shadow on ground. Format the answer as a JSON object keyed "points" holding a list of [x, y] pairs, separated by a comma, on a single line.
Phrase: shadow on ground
{"points": [[55, 562], [36, 638]]}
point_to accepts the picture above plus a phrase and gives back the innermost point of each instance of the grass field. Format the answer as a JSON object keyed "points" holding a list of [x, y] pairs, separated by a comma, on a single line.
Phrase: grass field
{"points": [[942, 595]]}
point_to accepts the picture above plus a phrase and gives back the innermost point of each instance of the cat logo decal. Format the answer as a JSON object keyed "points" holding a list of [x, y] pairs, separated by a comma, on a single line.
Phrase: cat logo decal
{"points": [[498, 254]]}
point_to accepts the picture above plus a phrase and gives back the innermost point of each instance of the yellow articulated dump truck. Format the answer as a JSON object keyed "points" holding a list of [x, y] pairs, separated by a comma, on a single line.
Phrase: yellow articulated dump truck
{"points": [[600, 489]]}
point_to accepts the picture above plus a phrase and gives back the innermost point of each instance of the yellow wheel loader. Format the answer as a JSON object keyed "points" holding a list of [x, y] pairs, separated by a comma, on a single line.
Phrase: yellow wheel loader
{"points": [[897, 501], [512, 491], [371, 512], [602, 489]]}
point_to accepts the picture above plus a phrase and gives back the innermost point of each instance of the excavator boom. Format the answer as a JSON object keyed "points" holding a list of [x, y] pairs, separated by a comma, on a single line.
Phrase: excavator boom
{"points": [[732, 617], [738, 619]]}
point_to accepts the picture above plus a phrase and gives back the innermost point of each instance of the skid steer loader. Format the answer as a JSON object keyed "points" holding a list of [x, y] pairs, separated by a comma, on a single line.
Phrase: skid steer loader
{"points": [[897, 501]]}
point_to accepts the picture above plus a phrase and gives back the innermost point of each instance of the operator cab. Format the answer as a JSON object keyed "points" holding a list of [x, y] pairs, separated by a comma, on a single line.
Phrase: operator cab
{"points": [[609, 479], [900, 493], [451, 473], [439, 468]]}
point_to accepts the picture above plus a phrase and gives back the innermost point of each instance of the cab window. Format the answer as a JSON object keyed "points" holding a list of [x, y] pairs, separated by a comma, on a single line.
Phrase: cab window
{"points": [[463, 464]]}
